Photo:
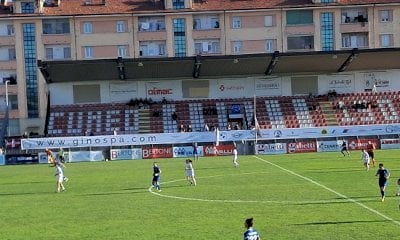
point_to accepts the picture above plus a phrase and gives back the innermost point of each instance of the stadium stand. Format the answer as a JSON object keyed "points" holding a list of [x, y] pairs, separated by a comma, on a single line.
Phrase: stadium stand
{"points": [[271, 112]]}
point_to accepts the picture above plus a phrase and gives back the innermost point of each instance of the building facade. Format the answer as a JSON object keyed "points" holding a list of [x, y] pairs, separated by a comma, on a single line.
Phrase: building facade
{"points": [[47, 30]]}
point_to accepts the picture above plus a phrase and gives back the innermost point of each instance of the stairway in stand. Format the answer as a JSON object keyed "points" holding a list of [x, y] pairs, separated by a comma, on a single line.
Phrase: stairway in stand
{"points": [[329, 113], [144, 120]]}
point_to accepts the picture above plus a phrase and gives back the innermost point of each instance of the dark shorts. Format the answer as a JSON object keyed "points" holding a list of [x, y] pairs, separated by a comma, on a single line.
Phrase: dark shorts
{"points": [[371, 154], [156, 178], [383, 182], [344, 149]]}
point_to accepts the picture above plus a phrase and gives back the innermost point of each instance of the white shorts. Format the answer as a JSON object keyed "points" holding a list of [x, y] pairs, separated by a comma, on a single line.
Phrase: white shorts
{"points": [[60, 178], [190, 173]]}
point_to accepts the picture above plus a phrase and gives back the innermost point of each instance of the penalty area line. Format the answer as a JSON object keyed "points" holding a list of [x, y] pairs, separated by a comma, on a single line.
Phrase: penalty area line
{"points": [[330, 190]]}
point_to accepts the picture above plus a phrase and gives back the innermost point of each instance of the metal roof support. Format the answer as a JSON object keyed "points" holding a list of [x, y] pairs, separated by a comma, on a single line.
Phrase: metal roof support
{"points": [[196, 67], [349, 59], [272, 63], [121, 68]]}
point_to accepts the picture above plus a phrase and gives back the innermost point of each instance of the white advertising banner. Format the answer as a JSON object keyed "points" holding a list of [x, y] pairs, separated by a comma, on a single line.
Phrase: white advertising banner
{"points": [[390, 143], [168, 90], [126, 154], [380, 79], [2, 159], [186, 151], [223, 136], [229, 88], [340, 82], [86, 156], [329, 146], [268, 87], [273, 148], [123, 91]]}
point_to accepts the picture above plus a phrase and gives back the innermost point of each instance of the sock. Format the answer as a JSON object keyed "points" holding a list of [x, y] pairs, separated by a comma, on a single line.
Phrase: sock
{"points": [[382, 193]]}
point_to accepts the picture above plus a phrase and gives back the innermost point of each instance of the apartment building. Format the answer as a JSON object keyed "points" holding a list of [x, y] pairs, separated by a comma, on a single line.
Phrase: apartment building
{"points": [[32, 31]]}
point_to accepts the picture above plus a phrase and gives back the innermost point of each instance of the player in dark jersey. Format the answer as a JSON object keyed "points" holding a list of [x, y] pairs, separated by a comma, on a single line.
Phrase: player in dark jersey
{"points": [[344, 150], [195, 152], [383, 175], [370, 151], [156, 176], [250, 233]]}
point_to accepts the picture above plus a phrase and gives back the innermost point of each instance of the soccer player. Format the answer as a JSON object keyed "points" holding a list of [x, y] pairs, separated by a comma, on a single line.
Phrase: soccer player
{"points": [[398, 190], [235, 153], [61, 155], [190, 172], [250, 233], [59, 177], [50, 158], [365, 158], [383, 175], [156, 176], [344, 149], [195, 153], [370, 150]]}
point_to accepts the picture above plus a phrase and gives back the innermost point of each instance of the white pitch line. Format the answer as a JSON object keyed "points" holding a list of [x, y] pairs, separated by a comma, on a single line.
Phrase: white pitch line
{"points": [[239, 201], [330, 190]]}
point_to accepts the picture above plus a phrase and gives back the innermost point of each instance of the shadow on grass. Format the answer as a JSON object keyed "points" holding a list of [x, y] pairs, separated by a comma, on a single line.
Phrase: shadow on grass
{"points": [[24, 193], [15, 183], [339, 222]]}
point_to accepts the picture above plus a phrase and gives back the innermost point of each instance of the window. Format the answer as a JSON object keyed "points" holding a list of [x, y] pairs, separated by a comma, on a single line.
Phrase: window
{"points": [[296, 17], [122, 51], [386, 40], [27, 7], [327, 31], [207, 46], [178, 4], [55, 26], [57, 52], [236, 22], [269, 21], [300, 42], [354, 15], [151, 24], [237, 47], [88, 52], [87, 27], [385, 15], [121, 26], [355, 40], [205, 22], [11, 54], [270, 45], [152, 49], [179, 37], [10, 30]]}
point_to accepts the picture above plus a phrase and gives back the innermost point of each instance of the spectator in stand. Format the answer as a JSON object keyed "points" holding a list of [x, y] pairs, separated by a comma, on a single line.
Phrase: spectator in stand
{"points": [[181, 128], [189, 128], [229, 127], [174, 116], [164, 101], [206, 128]]}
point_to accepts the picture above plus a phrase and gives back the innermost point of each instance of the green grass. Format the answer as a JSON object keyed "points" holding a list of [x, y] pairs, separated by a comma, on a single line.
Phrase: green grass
{"points": [[299, 196]]}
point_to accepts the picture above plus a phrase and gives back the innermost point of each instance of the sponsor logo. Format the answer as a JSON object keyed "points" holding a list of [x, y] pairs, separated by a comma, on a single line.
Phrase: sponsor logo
{"points": [[156, 91], [392, 129], [278, 133]]}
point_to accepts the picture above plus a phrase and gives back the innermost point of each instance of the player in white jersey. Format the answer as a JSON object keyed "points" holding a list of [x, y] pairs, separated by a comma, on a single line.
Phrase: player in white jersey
{"points": [[234, 154], [398, 190], [190, 172], [365, 158], [59, 178]]}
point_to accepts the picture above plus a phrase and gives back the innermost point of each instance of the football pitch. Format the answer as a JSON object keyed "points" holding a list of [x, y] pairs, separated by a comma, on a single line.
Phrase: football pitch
{"points": [[297, 196]]}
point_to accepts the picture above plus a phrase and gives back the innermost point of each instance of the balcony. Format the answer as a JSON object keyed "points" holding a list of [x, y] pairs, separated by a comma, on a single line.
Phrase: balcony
{"points": [[56, 39], [7, 40], [354, 27], [152, 36], [206, 34], [8, 65]]}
